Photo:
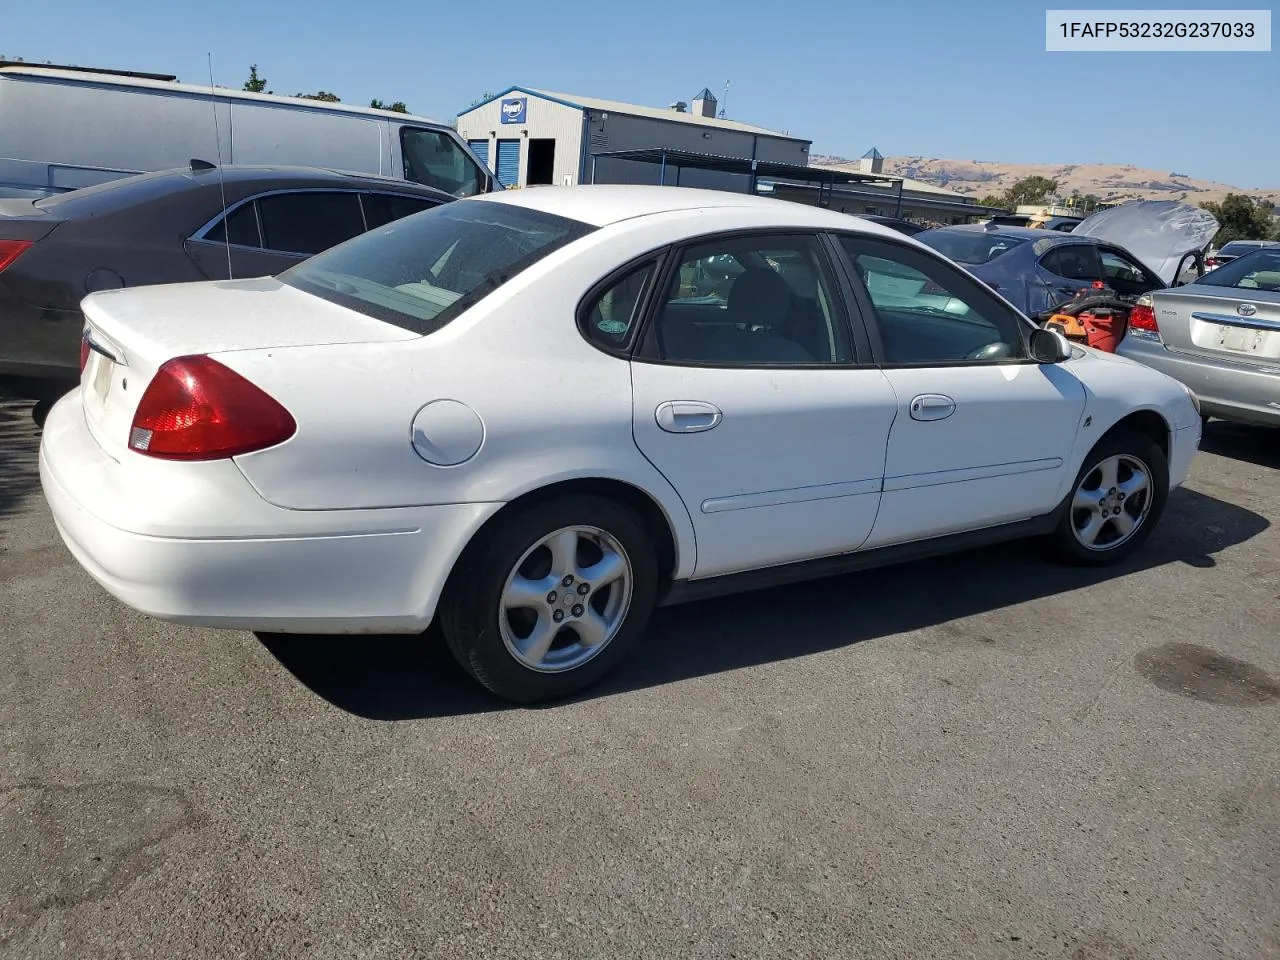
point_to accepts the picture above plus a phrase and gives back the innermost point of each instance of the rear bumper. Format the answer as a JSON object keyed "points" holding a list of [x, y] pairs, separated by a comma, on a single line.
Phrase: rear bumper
{"points": [[1227, 389], [39, 349], [243, 563]]}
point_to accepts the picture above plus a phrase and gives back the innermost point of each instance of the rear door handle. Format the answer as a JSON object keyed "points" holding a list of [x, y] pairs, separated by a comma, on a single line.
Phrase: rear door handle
{"points": [[687, 416], [932, 406]]}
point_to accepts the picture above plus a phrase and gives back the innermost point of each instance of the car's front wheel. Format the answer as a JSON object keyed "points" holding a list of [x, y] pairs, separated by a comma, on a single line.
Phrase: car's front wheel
{"points": [[549, 599], [1116, 502]]}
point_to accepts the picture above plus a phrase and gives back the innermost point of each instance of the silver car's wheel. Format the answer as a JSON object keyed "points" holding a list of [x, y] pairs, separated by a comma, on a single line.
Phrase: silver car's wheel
{"points": [[1111, 502], [565, 599]]}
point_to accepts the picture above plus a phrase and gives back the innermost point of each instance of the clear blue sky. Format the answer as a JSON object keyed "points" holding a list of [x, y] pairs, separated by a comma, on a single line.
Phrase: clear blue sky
{"points": [[929, 77]]}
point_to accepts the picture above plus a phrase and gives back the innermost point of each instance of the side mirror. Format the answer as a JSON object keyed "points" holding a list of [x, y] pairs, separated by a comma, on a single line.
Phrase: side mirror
{"points": [[1049, 346]]}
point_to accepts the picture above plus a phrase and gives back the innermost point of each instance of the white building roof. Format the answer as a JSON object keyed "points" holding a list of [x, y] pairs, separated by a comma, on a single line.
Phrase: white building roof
{"points": [[919, 186], [636, 110]]}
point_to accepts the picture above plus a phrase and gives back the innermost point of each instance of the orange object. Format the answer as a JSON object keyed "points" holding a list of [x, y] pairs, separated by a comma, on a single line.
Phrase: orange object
{"points": [[1100, 329], [1069, 326]]}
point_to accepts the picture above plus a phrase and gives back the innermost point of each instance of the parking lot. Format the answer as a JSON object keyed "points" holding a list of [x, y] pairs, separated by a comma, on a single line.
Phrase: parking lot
{"points": [[978, 756]]}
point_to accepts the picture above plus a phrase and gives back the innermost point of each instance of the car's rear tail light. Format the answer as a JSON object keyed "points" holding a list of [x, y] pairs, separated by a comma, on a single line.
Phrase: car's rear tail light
{"points": [[11, 250], [1211, 262], [84, 349], [1142, 320], [195, 408]]}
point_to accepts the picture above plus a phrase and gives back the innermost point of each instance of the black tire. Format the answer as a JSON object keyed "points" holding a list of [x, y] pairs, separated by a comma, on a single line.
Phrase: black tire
{"points": [[469, 609], [1131, 443], [40, 412]]}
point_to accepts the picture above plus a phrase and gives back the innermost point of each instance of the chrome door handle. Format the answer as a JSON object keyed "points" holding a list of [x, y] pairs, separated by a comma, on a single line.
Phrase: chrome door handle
{"points": [[932, 406], [687, 416]]}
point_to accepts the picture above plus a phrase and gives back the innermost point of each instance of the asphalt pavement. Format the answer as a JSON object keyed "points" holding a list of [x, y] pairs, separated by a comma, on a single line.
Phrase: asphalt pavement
{"points": [[981, 756]]}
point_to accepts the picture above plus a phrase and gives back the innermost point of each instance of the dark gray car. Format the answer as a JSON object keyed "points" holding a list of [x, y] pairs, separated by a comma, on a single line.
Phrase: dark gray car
{"points": [[166, 227]]}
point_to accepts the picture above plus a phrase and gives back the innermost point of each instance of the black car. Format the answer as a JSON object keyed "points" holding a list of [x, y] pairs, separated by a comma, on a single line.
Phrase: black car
{"points": [[189, 224]]}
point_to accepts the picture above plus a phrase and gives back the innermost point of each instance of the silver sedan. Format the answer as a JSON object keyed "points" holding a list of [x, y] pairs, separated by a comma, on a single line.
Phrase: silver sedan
{"points": [[1220, 336]]}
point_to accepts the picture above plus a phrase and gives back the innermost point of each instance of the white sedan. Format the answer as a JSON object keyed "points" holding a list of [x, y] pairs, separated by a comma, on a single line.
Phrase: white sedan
{"points": [[532, 416]]}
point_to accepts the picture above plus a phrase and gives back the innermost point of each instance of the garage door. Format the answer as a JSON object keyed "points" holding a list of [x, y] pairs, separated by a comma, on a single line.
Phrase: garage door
{"points": [[508, 168], [481, 149]]}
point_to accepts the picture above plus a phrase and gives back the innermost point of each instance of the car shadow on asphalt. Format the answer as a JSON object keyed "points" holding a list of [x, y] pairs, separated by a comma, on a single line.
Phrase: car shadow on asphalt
{"points": [[19, 446], [1244, 442], [402, 678]]}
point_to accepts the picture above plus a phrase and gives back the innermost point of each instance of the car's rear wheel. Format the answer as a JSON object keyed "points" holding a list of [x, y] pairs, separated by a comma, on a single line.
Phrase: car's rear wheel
{"points": [[550, 599], [1117, 499]]}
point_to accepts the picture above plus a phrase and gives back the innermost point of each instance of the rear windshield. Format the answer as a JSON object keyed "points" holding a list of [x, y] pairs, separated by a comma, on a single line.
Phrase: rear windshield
{"points": [[420, 272], [1259, 270], [1238, 248], [969, 246]]}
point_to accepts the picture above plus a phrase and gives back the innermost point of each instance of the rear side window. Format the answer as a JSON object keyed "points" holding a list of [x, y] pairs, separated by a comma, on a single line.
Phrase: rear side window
{"points": [[382, 208], [434, 158], [308, 222], [239, 227], [969, 246], [610, 316], [421, 272]]}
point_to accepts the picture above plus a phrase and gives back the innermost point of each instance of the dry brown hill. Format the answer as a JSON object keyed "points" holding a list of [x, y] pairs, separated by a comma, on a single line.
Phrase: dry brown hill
{"points": [[1107, 181]]}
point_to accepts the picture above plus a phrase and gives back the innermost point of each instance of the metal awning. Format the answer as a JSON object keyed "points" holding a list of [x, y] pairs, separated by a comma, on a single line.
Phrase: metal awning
{"points": [[745, 166], [940, 204]]}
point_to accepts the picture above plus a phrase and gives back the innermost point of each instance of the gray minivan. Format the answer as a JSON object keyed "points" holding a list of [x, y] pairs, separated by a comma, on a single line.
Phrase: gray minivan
{"points": [[65, 129]]}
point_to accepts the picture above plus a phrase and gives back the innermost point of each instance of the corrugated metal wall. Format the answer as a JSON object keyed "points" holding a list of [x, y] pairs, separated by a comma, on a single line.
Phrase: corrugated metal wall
{"points": [[543, 119]]}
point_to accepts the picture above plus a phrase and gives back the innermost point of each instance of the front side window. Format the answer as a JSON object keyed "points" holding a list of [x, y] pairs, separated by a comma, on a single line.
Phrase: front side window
{"points": [[753, 300], [1123, 275], [1073, 261], [382, 208], [420, 272], [309, 221], [928, 312], [434, 158]]}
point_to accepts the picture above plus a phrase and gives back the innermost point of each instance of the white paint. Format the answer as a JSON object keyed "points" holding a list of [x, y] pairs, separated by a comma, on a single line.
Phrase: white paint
{"points": [[345, 528]]}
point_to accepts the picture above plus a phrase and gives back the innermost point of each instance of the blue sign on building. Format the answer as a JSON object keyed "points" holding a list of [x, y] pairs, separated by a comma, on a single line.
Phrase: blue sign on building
{"points": [[514, 110]]}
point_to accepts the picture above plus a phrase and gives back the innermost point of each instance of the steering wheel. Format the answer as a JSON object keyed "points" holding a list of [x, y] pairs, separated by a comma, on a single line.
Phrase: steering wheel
{"points": [[991, 351]]}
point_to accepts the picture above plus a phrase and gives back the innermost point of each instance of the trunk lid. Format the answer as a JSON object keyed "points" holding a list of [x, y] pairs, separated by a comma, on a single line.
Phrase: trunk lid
{"points": [[1158, 232], [23, 220], [132, 332], [1220, 322]]}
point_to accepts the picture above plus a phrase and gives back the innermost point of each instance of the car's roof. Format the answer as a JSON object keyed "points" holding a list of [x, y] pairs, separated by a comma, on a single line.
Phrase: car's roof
{"points": [[147, 186], [1019, 233], [601, 205]]}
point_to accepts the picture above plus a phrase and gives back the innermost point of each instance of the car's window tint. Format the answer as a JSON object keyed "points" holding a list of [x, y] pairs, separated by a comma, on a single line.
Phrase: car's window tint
{"points": [[970, 246], [930, 312], [1073, 261], [309, 222], [610, 317], [436, 159], [382, 208], [1255, 271], [239, 227], [753, 300], [420, 272]]}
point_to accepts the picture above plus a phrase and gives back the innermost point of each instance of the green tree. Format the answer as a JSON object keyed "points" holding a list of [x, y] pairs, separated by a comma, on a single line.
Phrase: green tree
{"points": [[324, 95], [255, 83], [396, 107], [994, 200], [1030, 190], [1241, 218]]}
